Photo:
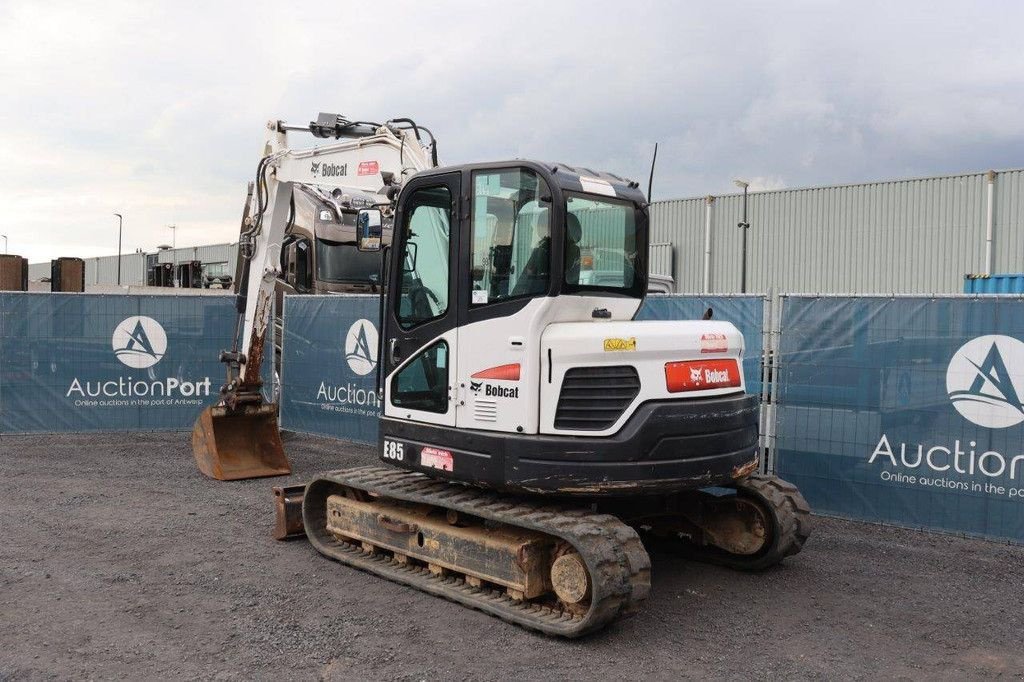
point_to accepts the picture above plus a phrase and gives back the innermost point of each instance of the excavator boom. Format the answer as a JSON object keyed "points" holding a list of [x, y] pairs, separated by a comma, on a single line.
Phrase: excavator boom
{"points": [[239, 437]]}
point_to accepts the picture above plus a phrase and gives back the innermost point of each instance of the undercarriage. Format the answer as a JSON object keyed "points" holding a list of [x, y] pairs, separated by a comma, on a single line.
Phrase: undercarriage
{"points": [[564, 567]]}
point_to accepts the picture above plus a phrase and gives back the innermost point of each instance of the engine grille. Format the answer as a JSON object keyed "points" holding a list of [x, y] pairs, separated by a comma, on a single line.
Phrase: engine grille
{"points": [[593, 398]]}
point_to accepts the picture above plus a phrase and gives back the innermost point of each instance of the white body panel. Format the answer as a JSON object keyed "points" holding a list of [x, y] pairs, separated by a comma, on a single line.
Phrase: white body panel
{"points": [[582, 344], [563, 329], [517, 339]]}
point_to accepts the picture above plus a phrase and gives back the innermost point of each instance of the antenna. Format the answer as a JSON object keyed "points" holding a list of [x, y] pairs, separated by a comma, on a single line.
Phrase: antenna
{"points": [[650, 182]]}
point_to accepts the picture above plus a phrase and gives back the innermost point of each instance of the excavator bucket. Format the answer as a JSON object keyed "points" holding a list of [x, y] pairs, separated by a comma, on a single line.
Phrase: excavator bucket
{"points": [[245, 443]]}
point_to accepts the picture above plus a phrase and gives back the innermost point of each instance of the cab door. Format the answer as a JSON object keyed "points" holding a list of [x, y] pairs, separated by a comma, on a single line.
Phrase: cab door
{"points": [[508, 254], [420, 325]]}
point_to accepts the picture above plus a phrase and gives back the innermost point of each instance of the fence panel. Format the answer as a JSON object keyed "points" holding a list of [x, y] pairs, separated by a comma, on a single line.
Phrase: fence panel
{"points": [[329, 363], [87, 362], [905, 410]]}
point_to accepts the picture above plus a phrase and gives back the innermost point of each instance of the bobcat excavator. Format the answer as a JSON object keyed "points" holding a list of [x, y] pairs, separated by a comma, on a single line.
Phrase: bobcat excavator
{"points": [[535, 434]]}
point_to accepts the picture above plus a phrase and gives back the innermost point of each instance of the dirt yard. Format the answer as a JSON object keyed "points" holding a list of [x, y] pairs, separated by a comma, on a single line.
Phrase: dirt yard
{"points": [[120, 560]]}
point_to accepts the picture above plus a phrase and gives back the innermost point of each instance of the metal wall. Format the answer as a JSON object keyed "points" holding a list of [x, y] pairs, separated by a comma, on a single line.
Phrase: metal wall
{"points": [[211, 253], [103, 269], [904, 236]]}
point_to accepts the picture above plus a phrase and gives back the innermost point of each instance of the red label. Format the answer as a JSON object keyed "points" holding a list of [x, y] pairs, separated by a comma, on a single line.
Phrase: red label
{"points": [[436, 458], [700, 375], [713, 343], [369, 168]]}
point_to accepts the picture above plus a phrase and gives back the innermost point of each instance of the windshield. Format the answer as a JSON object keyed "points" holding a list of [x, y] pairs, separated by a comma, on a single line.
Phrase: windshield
{"points": [[601, 245], [343, 262]]}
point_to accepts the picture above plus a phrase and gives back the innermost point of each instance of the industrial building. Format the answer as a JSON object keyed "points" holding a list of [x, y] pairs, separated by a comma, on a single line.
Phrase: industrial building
{"points": [[912, 236], [902, 236], [217, 260]]}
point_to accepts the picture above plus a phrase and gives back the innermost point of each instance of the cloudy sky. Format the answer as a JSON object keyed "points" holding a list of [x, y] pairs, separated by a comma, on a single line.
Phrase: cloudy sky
{"points": [[156, 110]]}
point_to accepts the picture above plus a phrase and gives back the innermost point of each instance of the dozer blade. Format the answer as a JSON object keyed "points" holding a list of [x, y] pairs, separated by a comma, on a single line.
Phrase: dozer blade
{"points": [[245, 443]]}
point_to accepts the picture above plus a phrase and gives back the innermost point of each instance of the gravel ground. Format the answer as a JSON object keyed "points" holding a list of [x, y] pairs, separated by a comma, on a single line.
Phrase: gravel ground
{"points": [[120, 560]]}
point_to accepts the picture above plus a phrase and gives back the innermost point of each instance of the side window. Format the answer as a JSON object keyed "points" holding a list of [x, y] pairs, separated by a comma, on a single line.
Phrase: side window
{"points": [[423, 383], [424, 294], [511, 244]]}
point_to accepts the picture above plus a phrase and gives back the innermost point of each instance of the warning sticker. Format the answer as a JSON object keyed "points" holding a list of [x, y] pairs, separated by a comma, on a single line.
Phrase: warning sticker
{"points": [[436, 458], [713, 343], [369, 168], [620, 344]]}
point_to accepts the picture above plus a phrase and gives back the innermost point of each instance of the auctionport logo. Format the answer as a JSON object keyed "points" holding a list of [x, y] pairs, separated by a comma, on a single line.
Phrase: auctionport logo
{"points": [[139, 342], [354, 397], [985, 381], [361, 347]]}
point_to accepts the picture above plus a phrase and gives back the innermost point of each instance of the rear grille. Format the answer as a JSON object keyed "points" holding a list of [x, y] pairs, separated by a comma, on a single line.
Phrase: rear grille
{"points": [[593, 398]]}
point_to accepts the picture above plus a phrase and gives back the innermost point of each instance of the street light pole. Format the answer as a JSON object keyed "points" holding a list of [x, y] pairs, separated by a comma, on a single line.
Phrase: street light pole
{"points": [[120, 223], [743, 225], [5, 242]]}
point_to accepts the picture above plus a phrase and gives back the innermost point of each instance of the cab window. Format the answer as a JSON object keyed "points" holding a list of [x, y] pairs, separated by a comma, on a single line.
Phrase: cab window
{"points": [[601, 245], [511, 236], [424, 260]]}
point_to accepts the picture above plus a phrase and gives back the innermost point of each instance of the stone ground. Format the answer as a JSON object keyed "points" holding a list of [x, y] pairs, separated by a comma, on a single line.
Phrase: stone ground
{"points": [[120, 560]]}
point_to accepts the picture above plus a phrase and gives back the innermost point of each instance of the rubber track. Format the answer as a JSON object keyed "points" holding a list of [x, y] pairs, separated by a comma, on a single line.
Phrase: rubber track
{"points": [[619, 567], [791, 519], [792, 516]]}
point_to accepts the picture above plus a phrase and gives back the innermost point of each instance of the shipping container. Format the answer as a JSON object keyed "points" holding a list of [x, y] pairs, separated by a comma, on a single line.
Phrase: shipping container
{"points": [[13, 273], [67, 275], [994, 284]]}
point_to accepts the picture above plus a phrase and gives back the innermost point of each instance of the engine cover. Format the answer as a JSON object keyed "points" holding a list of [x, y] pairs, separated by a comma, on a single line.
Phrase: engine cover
{"points": [[596, 374]]}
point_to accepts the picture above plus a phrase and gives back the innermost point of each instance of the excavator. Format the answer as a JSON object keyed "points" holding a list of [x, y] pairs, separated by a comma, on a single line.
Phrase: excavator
{"points": [[535, 438], [364, 165]]}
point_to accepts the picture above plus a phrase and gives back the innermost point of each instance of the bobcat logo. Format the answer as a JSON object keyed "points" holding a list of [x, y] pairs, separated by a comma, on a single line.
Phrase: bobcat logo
{"points": [[475, 386], [695, 375], [314, 168]]}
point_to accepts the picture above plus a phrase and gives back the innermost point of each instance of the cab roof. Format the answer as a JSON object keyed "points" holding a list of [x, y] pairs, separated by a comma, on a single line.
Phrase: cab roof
{"points": [[569, 178]]}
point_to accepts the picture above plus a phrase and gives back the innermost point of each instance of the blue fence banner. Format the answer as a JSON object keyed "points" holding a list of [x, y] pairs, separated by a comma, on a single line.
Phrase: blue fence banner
{"points": [[905, 410], [329, 366], [745, 311], [88, 362]]}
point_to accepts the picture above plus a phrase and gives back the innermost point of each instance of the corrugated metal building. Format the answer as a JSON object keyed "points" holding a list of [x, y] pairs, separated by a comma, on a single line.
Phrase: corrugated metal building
{"points": [[217, 259], [903, 236]]}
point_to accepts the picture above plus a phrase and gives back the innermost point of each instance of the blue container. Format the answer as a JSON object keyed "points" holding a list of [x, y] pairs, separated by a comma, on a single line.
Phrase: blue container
{"points": [[994, 284]]}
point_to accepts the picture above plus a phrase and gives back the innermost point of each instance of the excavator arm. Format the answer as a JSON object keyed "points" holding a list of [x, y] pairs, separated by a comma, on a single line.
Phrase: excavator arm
{"points": [[238, 437]]}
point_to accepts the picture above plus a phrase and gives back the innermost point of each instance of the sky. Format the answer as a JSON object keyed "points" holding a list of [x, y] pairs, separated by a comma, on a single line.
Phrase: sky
{"points": [[157, 110]]}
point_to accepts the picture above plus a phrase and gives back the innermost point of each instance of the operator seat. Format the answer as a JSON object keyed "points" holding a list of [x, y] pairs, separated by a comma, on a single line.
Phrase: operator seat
{"points": [[536, 273]]}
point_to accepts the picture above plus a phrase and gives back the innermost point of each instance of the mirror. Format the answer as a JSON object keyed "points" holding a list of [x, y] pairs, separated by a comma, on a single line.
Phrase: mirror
{"points": [[369, 229]]}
